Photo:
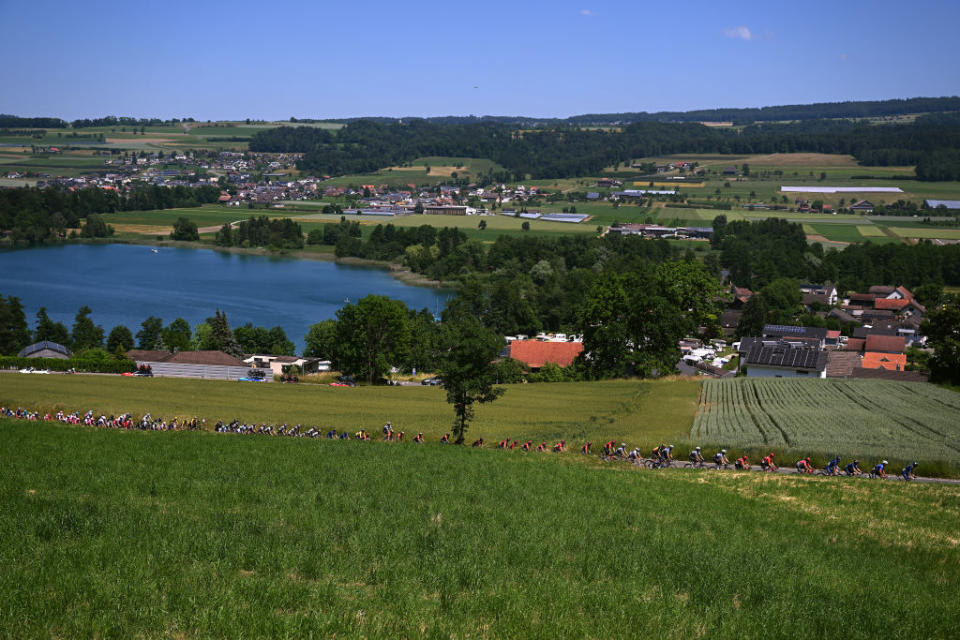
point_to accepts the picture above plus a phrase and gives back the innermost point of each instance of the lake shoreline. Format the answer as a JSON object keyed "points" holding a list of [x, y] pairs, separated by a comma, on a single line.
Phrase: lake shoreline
{"points": [[397, 271]]}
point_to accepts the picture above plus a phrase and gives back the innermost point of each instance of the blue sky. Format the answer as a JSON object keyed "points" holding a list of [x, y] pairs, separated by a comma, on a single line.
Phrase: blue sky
{"points": [[220, 60]]}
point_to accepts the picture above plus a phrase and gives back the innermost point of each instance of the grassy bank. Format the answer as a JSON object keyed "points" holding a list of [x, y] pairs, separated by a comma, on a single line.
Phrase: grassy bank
{"points": [[128, 534], [636, 412]]}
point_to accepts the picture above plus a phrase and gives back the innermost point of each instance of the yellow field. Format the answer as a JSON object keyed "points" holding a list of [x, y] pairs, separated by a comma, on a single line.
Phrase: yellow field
{"points": [[928, 232], [870, 231]]}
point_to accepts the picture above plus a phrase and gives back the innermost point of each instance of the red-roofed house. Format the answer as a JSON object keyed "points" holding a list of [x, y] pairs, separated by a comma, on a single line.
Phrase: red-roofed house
{"points": [[901, 292], [885, 344], [891, 361], [833, 338], [535, 354], [890, 304]]}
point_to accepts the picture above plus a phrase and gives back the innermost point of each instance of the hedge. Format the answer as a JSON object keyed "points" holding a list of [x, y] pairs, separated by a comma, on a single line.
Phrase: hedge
{"points": [[58, 364]]}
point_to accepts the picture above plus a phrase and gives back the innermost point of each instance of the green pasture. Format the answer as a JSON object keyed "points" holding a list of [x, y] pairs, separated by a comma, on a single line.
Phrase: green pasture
{"points": [[114, 534], [838, 232], [641, 412], [203, 216]]}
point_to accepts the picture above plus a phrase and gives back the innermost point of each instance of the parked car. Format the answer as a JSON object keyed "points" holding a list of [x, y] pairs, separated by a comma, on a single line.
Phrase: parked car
{"points": [[432, 382], [254, 375]]}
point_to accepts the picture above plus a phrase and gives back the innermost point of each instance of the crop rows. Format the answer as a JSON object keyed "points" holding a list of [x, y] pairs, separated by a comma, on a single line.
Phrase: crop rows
{"points": [[852, 416]]}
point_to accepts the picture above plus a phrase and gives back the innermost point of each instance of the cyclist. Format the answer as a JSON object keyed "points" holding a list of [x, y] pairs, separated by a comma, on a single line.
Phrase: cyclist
{"points": [[853, 468], [585, 449], [878, 470], [804, 466], [621, 450], [666, 454], [445, 439], [634, 455], [418, 438], [696, 457], [767, 463], [478, 443], [908, 470], [720, 458], [742, 464], [833, 466]]}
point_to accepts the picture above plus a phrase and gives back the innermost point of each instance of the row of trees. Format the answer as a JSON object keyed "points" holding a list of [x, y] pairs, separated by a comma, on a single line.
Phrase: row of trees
{"points": [[261, 231], [213, 334], [367, 145], [758, 253], [38, 216]]}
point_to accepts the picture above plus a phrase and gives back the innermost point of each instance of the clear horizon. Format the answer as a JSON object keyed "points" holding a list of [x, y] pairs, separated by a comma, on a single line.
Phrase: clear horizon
{"points": [[218, 61]]}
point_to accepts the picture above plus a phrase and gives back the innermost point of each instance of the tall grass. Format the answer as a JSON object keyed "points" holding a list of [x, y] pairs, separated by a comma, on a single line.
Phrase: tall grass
{"points": [[129, 534], [636, 412]]}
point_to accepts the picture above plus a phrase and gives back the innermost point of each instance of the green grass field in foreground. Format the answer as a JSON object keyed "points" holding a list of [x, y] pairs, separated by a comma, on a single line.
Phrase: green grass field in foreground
{"points": [[637, 412], [127, 534]]}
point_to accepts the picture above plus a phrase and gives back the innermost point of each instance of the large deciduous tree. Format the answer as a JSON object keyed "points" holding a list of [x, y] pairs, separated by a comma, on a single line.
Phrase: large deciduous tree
{"points": [[466, 352], [177, 335], [372, 335], [86, 335], [150, 336], [942, 328], [630, 328], [120, 340]]}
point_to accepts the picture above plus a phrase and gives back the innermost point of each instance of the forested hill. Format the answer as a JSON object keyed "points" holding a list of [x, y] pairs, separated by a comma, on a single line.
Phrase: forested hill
{"points": [[847, 109], [559, 152]]}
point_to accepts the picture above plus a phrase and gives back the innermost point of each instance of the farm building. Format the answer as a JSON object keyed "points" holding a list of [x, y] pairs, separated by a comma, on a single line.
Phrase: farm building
{"points": [[953, 205], [782, 359], [862, 206], [45, 349], [214, 365], [535, 353]]}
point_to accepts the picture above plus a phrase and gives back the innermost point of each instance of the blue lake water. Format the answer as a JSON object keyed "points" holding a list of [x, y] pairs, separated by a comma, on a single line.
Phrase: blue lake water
{"points": [[124, 284]]}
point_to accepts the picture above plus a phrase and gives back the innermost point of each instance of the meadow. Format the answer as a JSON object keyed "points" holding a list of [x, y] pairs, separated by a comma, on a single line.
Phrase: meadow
{"points": [[853, 417], [637, 412], [137, 534]]}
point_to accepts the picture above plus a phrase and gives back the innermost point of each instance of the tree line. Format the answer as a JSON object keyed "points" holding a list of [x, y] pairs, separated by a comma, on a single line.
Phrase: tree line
{"points": [[758, 253], [261, 231], [367, 145], [84, 336], [39, 216]]}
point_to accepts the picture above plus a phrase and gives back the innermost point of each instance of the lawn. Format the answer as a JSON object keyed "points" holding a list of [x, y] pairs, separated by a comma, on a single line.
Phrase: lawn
{"points": [[138, 534], [637, 412], [202, 216]]}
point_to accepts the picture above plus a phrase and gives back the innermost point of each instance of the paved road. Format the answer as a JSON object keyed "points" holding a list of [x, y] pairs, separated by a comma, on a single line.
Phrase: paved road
{"points": [[892, 477]]}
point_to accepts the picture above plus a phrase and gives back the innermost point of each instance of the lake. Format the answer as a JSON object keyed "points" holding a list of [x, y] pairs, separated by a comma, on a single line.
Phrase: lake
{"points": [[124, 284]]}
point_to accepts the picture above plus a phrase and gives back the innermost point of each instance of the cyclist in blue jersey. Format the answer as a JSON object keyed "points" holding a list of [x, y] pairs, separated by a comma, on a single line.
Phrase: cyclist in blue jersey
{"points": [[879, 469], [853, 468], [908, 471], [833, 466]]}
